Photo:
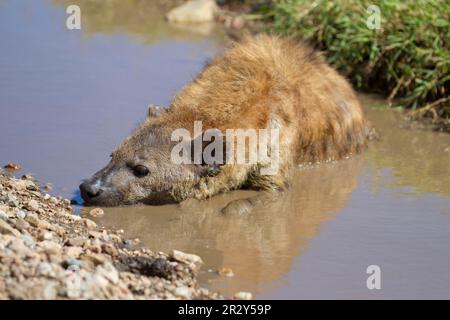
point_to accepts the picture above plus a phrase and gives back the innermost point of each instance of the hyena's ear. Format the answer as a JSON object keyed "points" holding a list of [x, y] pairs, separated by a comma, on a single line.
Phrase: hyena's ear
{"points": [[155, 111]]}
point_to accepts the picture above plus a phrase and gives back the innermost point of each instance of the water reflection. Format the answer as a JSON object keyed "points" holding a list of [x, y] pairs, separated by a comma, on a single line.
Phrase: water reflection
{"points": [[143, 20], [258, 247]]}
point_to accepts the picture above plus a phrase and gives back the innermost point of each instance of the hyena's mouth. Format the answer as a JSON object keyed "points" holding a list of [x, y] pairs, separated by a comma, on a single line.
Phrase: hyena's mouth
{"points": [[94, 196]]}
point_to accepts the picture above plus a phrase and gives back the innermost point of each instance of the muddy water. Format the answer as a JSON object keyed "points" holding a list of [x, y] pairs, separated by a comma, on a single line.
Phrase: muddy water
{"points": [[68, 97]]}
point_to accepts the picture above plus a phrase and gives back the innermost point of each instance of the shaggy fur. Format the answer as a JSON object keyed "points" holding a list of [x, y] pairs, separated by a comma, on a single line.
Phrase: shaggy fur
{"points": [[261, 82]]}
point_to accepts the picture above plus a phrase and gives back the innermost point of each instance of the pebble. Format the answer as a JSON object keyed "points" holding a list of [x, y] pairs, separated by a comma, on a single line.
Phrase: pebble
{"points": [[96, 258], [28, 241], [127, 244], [5, 228], [73, 252], [183, 292], [242, 295], [33, 205], [97, 212], [3, 216], [27, 177], [19, 247], [11, 200], [21, 214], [45, 235], [95, 234], [71, 262], [44, 269], [36, 222], [226, 272], [73, 286], [90, 225], [21, 224], [109, 272], [193, 11], [12, 166], [50, 291], [76, 242], [109, 249], [187, 258], [49, 247]]}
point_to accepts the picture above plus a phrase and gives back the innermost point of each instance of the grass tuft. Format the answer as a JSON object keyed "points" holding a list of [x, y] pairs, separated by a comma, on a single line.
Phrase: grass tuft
{"points": [[408, 58]]}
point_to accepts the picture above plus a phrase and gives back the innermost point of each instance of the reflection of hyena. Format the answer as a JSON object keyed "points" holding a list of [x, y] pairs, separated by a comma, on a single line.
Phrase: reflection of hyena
{"points": [[261, 83]]}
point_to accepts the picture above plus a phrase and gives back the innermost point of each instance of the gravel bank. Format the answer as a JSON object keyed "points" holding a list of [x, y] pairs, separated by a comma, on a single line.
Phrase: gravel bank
{"points": [[46, 252]]}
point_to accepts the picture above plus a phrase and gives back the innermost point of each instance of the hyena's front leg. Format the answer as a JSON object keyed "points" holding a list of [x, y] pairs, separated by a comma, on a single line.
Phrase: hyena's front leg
{"points": [[230, 177], [269, 188]]}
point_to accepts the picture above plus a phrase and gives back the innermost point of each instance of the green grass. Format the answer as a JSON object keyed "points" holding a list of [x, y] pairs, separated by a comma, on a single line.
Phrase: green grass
{"points": [[408, 59]]}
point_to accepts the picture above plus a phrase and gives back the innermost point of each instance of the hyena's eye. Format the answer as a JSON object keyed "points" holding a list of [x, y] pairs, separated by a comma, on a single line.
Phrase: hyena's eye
{"points": [[140, 171]]}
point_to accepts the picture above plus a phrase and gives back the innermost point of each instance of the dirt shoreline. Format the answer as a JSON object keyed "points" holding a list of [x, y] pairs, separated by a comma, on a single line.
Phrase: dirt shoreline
{"points": [[47, 252]]}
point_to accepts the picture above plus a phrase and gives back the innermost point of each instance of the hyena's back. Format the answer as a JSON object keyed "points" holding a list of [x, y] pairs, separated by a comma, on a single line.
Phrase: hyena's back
{"points": [[265, 80]]}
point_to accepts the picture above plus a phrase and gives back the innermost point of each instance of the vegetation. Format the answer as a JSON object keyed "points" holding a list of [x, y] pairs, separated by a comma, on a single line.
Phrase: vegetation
{"points": [[407, 58]]}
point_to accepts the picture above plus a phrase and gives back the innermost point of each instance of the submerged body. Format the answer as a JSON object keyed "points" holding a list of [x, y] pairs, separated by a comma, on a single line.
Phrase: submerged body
{"points": [[261, 83]]}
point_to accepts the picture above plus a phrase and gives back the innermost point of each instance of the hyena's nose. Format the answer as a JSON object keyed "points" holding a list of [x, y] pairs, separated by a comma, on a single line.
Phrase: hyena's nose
{"points": [[90, 191]]}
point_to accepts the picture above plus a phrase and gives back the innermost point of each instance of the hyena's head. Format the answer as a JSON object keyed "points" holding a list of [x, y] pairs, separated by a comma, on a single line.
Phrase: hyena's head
{"points": [[141, 170]]}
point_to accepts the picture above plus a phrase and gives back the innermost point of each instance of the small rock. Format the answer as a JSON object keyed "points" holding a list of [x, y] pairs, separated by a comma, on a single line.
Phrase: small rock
{"points": [[11, 200], [97, 212], [73, 268], [75, 242], [3, 216], [109, 249], [33, 205], [109, 272], [95, 234], [226, 272], [19, 247], [44, 269], [71, 262], [73, 286], [243, 296], [28, 241], [183, 292], [12, 166], [50, 291], [187, 258], [194, 11], [127, 244], [49, 247], [96, 258], [27, 177], [69, 216], [31, 186], [21, 214], [45, 235], [5, 228], [36, 222], [73, 252], [21, 224], [89, 224]]}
